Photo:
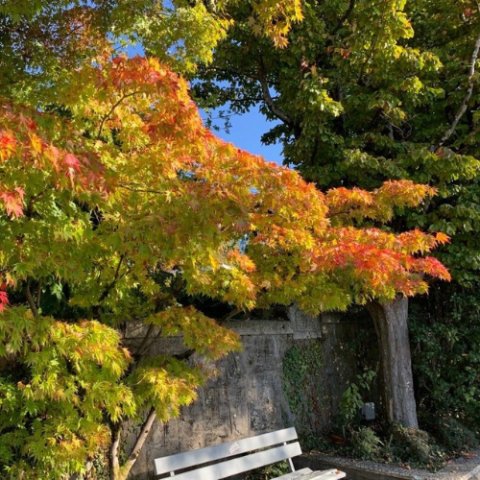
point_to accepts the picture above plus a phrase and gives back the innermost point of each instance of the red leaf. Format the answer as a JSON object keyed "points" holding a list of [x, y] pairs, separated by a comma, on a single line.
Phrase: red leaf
{"points": [[7, 145], [3, 300], [13, 202]]}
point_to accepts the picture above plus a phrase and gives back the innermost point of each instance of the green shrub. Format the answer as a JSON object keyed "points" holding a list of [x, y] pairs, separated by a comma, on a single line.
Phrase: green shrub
{"points": [[455, 436], [348, 416], [366, 444], [445, 340], [413, 446]]}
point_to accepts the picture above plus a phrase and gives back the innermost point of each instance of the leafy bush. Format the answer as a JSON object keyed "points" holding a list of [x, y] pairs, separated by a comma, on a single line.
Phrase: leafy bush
{"points": [[413, 446], [352, 400], [445, 337], [455, 436], [366, 443]]}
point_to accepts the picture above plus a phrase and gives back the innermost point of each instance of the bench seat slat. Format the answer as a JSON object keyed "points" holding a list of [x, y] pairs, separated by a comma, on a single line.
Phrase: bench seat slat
{"points": [[200, 456], [242, 464], [318, 475], [294, 475], [332, 474]]}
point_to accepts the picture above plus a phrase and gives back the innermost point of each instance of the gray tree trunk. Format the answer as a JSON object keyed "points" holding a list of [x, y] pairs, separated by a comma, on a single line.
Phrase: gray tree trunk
{"points": [[391, 324]]}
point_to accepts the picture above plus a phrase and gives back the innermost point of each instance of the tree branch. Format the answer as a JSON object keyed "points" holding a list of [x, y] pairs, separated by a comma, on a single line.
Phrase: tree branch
{"points": [[109, 287], [143, 347], [464, 105], [230, 315], [114, 106], [345, 16], [142, 437], [114, 451], [31, 300], [140, 190], [267, 98]]}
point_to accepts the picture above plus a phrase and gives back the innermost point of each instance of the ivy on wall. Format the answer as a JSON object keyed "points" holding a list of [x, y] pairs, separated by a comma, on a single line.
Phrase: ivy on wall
{"points": [[302, 383]]}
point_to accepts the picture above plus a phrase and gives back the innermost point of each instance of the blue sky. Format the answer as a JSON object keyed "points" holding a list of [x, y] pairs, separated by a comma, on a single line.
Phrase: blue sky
{"points": [[245, 132]]}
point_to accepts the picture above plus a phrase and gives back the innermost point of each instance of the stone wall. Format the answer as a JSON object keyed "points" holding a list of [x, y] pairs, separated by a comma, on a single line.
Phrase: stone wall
{"points": [[247, 397]]}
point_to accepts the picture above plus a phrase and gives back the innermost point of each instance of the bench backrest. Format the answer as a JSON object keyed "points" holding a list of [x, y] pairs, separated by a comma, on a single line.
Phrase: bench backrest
{"points": [[233, 457]]}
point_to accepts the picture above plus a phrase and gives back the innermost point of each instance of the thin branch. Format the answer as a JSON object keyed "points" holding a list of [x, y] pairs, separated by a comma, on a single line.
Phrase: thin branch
{"points": [[148, 340], [31, 300], [464, 105], [244, 99], [39, 295], [110, 112], [348, 211], [141, 350], [140, 190], [373, 46], [232, 314], [344, 18], [109, 287], [142, 437], [267, 97]]}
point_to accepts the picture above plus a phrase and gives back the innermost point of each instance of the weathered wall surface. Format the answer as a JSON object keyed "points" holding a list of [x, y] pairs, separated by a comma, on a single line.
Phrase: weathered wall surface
{"points": [[247, 397]]}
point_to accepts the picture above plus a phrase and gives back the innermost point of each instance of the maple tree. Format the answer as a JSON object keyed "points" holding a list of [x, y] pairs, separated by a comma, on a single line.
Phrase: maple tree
{"points": [[118, 207], [100, 226]]}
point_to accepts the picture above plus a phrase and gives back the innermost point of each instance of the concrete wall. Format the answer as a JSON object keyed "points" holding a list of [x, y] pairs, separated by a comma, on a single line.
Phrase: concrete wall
{"points": [[247, 397]]}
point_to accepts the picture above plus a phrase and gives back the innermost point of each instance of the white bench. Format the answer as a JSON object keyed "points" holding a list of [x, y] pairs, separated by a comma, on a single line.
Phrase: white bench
{"points": [[240, 456]]}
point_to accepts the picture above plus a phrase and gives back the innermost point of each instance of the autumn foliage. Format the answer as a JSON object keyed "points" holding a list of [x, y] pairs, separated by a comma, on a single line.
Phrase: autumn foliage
{"points": [[106, 209]]}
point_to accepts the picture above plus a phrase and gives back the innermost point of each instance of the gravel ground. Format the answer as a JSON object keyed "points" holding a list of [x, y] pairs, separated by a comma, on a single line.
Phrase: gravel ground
{"points": [[464, 468]]}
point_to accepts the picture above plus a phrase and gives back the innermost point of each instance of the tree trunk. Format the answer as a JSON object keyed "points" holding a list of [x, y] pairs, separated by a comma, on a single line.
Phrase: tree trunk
{"points": [[115, 452], [391, 324], [118, 472]]}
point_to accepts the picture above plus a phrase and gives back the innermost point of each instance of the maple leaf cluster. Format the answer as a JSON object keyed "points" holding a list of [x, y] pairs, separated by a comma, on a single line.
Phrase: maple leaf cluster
{"points": [[195, 197], [3, 299], [23, 146]]}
